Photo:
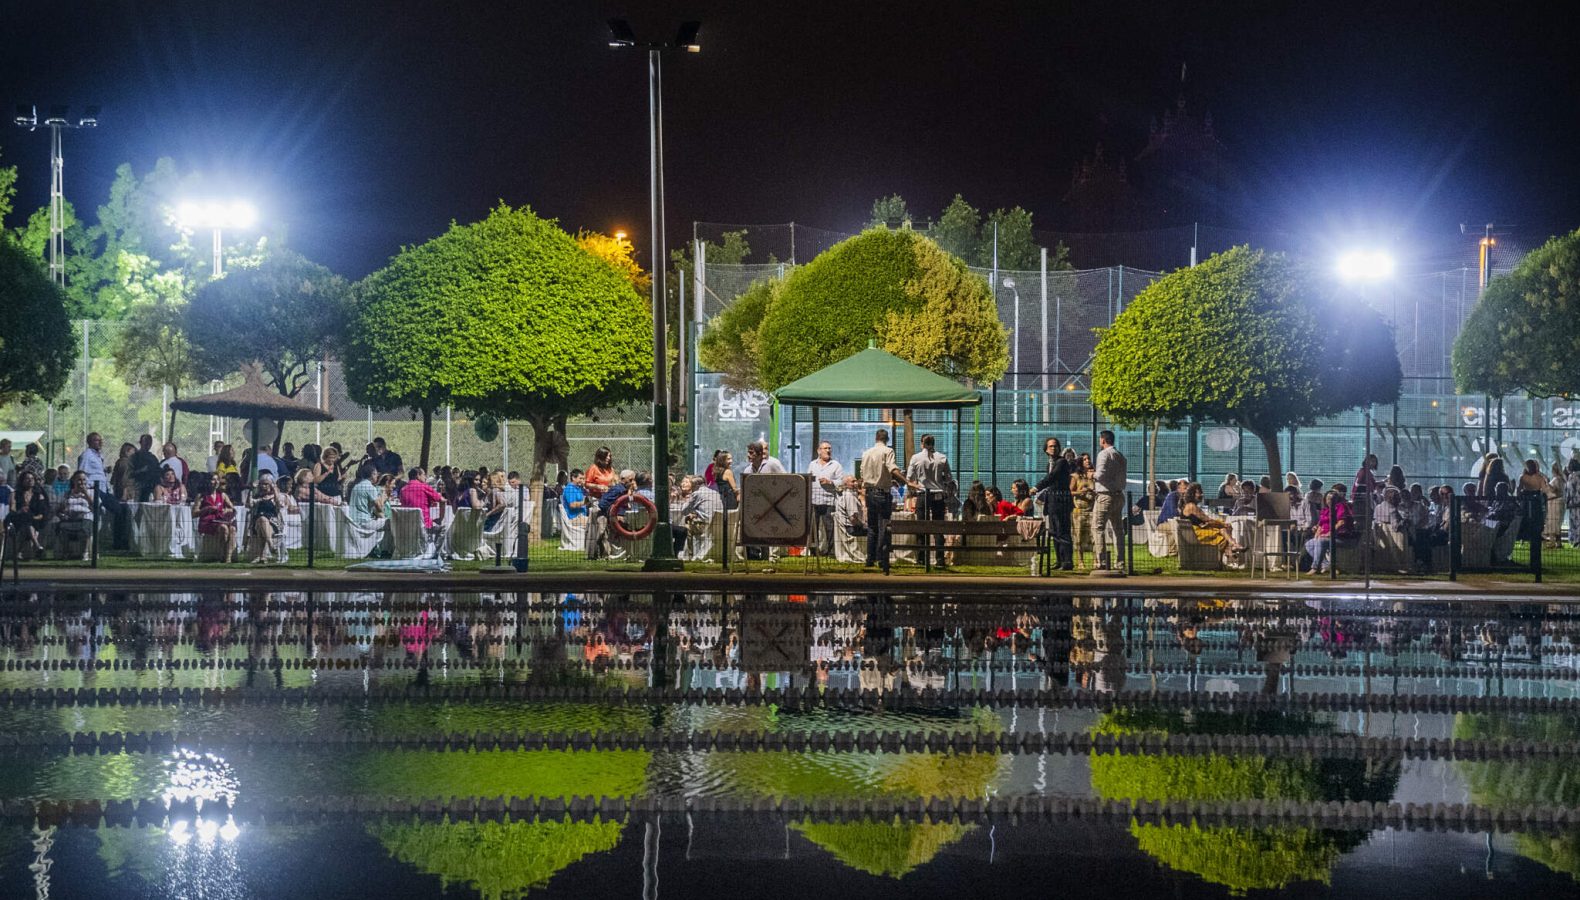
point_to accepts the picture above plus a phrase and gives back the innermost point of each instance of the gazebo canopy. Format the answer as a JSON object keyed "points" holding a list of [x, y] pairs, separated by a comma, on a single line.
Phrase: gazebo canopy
{"points": [[252, 400], [876, 378]]}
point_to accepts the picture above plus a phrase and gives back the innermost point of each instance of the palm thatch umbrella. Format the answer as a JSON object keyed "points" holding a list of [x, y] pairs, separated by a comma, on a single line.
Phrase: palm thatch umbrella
{"points": [[254, 402]]}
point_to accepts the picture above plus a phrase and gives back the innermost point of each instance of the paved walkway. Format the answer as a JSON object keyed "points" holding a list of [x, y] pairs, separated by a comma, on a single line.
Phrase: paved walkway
{"points": [[300, 580]]}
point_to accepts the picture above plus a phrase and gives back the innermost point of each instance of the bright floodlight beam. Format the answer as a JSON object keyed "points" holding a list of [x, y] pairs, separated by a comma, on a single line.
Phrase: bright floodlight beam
{"points": [[217, 216], [1366, 265]]}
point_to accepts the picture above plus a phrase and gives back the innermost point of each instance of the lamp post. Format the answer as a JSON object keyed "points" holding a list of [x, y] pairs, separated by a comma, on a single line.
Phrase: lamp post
{"points": [[621, 37], [1372, 267], [219, 217]]}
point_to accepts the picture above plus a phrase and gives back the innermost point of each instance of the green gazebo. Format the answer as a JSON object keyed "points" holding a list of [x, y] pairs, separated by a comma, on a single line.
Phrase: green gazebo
{"points": [[877, 379]]}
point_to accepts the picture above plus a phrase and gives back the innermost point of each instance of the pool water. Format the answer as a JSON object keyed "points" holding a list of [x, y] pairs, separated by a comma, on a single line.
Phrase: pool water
{"points": [[506, 745]]}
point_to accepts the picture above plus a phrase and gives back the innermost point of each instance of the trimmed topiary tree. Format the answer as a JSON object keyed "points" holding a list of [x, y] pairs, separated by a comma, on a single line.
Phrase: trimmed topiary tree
{"points": [[1524, 333], [897, 287], [1247, 338], [507, 316]]}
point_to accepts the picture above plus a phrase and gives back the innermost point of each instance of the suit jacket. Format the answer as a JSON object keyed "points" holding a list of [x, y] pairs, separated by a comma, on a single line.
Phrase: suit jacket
{"points": [[1057, 481]]}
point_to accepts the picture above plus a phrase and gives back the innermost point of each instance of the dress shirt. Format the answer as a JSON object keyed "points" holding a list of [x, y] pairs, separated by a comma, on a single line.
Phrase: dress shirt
{"points": [[1113, 470], [877, 464], [92, 465], [831, 470], [931, 471]]}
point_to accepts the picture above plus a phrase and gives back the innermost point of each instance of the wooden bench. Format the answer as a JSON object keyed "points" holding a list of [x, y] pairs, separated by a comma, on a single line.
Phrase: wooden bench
{"points": [[1004, 532]]}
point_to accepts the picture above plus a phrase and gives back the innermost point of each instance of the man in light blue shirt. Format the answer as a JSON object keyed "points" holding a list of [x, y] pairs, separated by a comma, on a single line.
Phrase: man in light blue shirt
{"points": [[91, 463]]}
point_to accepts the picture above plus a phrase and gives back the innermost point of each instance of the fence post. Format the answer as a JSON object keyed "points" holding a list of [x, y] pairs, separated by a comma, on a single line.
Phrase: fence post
{"points": [[1333, 539], [96, 519], [1538, 505], [1130, 536], [312, 519], [523, 530], [1454, 548]]}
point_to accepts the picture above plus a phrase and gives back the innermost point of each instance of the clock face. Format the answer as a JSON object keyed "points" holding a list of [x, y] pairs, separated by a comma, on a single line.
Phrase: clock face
{"points": [[775, 509]]}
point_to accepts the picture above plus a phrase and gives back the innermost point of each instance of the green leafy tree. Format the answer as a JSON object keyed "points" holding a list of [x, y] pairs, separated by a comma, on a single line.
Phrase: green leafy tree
{"points": [[1017, 249], [506, 316], [958, 230], [729, 344], [284, 315], [7, 192], [1244, 338], [897, 287], [152, 348], [1524, 332], [617, 252], [36, 347], [890, 212]]}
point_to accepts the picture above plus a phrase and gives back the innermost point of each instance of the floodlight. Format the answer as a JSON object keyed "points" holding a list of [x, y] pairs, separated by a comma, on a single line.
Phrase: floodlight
{"points": [[1365, 265], [619, 235], [57, 115], [90, 117], [26, 116], [620, 33], [216, 215], [686, 38], [1009, 283]]}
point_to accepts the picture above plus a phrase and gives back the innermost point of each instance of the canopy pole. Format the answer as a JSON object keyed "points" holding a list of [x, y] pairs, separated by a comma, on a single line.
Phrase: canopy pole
{"points": [[817, 430], [773, 428], [976, 443], [910, 435], [254, 451]]}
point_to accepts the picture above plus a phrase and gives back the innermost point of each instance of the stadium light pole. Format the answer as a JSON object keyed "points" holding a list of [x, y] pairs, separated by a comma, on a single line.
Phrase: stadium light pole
{"points": [[57, 121], [1372, 267], [621, 37], [218, 217]]}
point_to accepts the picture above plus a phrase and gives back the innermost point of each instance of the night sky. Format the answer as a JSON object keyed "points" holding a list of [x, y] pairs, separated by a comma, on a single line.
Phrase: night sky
{"points": [[363, 126]]}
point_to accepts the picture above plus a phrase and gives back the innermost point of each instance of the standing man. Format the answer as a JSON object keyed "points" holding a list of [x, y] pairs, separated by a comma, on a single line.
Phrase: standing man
{"points": [[173, 461], [1059, 504], [385, 460], [146, 471], [91, 463], [758, 462], [7, 463], [878, 473], [928, 472], [1108, 508], [826, 475]]}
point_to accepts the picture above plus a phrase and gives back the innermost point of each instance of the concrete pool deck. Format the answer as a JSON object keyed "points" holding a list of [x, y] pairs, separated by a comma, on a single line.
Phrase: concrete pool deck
{"points": [[329, 581]]}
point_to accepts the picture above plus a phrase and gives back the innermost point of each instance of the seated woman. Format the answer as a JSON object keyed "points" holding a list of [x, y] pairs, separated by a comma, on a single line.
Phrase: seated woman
{"points": [[1023, 500], [1209, 530], [74, 517], [495, 498], [1333, 523], [975, 505], [264, 525], [216, 517], [30, 509], [1504, 515], [169, 490], [1002, 508]]}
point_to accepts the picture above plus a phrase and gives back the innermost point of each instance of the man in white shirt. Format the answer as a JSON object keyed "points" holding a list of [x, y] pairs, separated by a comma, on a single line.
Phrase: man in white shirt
{"points": [[826, 475], [173, 461], [213, 458], [850, 508], [91, 463], [928, 474], [758, 462], [7, 462], [878, 474], [1108, 505]]}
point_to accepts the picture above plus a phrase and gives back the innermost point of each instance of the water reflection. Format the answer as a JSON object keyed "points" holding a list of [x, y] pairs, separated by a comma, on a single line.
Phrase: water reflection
{"points": [[298, 690]]}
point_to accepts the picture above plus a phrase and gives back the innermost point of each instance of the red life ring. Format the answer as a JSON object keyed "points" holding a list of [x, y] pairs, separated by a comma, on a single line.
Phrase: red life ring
{"points": [[617, 513]]}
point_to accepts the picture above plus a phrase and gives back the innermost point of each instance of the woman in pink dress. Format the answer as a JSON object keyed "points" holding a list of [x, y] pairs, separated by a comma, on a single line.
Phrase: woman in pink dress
{"points": [[216, 515]]}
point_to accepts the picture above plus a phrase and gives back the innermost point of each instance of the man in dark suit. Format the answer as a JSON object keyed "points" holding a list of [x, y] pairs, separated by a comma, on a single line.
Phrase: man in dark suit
{"points": [[1058, 504]]}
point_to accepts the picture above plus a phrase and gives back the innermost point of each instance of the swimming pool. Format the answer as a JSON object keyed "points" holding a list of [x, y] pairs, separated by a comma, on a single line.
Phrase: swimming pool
{"points": [[496, 744]]}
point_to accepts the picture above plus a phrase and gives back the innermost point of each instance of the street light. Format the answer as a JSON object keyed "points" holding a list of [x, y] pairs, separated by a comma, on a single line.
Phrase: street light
{"points": [[621, 37], [58, 119], [619, 237], [1365, 265], [1014, 352], [235, 215]]}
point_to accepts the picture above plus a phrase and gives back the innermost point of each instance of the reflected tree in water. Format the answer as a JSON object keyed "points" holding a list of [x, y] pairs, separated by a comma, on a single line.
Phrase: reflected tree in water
{"points": [[1240, 859], [1516, 783]]}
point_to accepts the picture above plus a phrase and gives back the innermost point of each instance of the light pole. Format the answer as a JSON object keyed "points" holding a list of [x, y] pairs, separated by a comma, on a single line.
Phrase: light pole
{"points": [[1372, 267], [621, 37], [27, 117], [218, 217]]}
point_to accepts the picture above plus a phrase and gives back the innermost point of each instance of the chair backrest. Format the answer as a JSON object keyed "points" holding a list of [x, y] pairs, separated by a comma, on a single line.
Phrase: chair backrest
{"points": [[1272, 505]]}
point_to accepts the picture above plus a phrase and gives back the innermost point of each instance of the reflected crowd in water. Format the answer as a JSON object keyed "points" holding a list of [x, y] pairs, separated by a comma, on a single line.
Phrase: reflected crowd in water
{"points": [[297, 689]]}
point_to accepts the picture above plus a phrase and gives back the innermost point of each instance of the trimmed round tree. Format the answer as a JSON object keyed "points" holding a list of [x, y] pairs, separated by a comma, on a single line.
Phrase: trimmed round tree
{"points": [[1524, 333], [35, 336], [506, 316], [897, 287], [1246, 337]]}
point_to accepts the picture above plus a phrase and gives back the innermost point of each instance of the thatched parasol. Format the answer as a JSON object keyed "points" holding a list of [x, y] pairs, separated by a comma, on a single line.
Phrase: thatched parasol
{"points": [[252, 401]]}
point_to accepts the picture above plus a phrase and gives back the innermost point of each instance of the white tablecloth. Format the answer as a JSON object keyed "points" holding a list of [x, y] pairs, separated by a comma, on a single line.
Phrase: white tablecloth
{"points": [[162, 530]]}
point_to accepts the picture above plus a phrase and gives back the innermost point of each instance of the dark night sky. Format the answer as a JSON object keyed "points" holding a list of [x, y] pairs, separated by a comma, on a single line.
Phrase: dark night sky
{"points": [[363, 126]]}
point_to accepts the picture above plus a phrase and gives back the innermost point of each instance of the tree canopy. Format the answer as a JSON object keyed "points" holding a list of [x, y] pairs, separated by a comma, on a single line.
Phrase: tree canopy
{"points": [[285, 314], [152, 349], [896, 287], [507, 316], [617, 252], [36, 347], [1245, 338], [963, 231], [1524, 332]]}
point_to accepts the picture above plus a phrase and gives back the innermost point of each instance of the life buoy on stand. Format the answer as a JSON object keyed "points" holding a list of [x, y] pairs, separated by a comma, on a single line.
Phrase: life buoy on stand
{"points": [[617, 516]]}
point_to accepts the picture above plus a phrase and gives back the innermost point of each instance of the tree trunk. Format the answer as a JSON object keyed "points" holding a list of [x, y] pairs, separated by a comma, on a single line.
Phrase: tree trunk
{"points": [[1152, 460], [427, 437], [1269, 439], [279, 435], [175, 394]]}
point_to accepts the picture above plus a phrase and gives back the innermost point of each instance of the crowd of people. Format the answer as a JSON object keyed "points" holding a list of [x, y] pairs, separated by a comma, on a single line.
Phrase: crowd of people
{"points": [[61, 505], [1324, 515]]}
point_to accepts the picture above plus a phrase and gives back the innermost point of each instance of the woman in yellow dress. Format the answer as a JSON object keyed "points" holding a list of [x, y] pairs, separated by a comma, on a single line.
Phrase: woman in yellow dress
{"points": [[1209, 530]]}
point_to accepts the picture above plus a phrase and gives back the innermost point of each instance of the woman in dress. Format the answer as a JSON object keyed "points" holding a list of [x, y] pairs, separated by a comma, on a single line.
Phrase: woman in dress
{"points": [[326, 473], [216, 516], [74, 515], [723, 481], [266, 520], [1002, 509], [1082, 494], [30, 505], [225, 464], [121, 483], [1207, 529], [1021, 492]]}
